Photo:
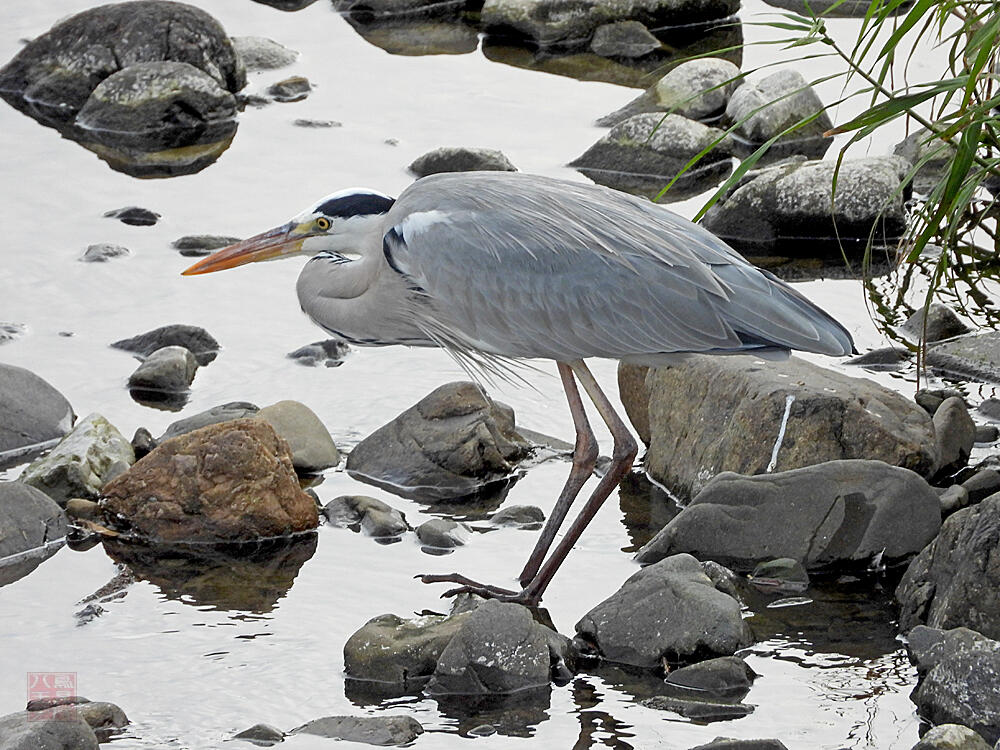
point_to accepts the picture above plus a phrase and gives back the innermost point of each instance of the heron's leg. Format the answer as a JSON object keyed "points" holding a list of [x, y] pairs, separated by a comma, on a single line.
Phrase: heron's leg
{"points": [[625, 449], [584, 458]]}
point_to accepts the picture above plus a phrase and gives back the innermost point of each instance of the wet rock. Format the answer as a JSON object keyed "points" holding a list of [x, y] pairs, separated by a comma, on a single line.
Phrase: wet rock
{"points": [[929, 399], [460, 159], [782, 574], [158, 105], [722, 676], [990, 408], [987, 433], [417, 34], [727, 743], [103, 252], [887, 358], [941, 323], [951, 737], [450, 444], [54, 74], [106, 719], [954, 435], [195, 339], [370, 730], [196, 245], [227, 482], [134, 216], [833, 514], [292, 89], [374, 517], [170, 369], [963, 688], [11, 331], [32, 414], [929, 647], [523, 516], [562, 23], [623, 39], [670, 612], [443, 533], [936, 157], [970, 357], [954, 498], [303, 122], [955, 580], [222, 413], [261, 734], [30, 519], [261, 53], [93, 453], [786, 207], [700, 710], [765, 109], [982, 484], [312, 447], [740, 414], [643, 153], [330, 353], [696, 89], [26, 730]]}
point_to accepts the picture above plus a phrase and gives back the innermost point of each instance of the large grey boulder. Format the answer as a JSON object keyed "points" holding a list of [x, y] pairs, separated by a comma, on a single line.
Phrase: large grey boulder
{"points": [[370, 730], [789, 207], [30, 522], [712, 414], [94, 453], [312, 446], [645, 152], [955, 580], [195, 339], [27, 730], [834, 514], [667, 611], [32, 414], [764, 109], [572, 23], [450, 444]]}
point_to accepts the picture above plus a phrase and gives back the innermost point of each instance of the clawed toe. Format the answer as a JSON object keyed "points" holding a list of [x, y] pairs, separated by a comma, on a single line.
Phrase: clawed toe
{"points": [[468, 586]]}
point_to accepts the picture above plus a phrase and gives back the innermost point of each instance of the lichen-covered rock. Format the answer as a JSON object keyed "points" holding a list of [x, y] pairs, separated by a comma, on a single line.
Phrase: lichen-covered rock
{"points": [[951, 737], [261, 53], [461, 159], [227, 482], [450, 444], [78, 467], [102, 252], [32, 413], [370, 730]]}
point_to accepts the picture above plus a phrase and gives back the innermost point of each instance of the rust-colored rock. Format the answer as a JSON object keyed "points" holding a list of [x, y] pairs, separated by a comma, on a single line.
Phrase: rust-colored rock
{"points": [[226, 482]]}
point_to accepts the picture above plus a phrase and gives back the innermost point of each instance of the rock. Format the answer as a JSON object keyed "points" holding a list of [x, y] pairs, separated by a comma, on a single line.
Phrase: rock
{"points": [[106, 719], [522, 516], [215, 415], [261, 734], [887, 358], [942, 323], [32, 414], [643, 153], [954, 435], [170, 369], [955, 581], [227, 482], [330, 353], [450, 444], [11, 331], [982, 484], [103, 252], [158, 105], [723, 676], [833, 514], [29, 520], [929, 400], [497, 649], [935, 158], [697, 89], [698, 709], [954, 498], [990, 408], [951, 737], [987, 433], [371, 730], [783, 574], [740, 414], [765, 109], [626, 39], [670, 612], [133, 216], [460, 159], [785, 209], [312, 447], [193, 338], [93, 453], [971, 357], [303, 122], [292, 89], [261, 53], [374, 517], [55, 73], [726, 743], [196, 245], [963, 688], [929, 647], [443, 533], [26, 730], [569, 24]]}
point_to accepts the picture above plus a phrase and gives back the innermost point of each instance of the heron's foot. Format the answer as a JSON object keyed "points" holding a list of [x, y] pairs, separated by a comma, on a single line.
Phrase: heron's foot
{"points": [[526, 597]]}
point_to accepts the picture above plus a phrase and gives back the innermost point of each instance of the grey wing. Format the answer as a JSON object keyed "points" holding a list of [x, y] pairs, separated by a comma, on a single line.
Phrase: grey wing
{"points": [[527, 267]]}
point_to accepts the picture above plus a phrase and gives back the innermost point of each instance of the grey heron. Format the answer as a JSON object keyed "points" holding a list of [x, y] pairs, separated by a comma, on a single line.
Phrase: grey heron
{"points": [[501, 266]]}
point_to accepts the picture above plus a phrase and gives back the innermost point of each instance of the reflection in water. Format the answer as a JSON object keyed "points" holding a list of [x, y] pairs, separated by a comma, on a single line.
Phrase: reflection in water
{"points": [[476, 506], [247, 577], [597, 727], [18, 566], [513, 715], [647, 508], [289, 5]]}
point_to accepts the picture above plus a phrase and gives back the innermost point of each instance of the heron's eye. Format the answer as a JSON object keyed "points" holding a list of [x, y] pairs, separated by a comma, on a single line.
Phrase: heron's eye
{"points": [[323, 223]]}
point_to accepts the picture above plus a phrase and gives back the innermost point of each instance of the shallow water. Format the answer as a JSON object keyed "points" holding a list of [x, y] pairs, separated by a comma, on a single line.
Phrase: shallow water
{"points": [[190, 663]]}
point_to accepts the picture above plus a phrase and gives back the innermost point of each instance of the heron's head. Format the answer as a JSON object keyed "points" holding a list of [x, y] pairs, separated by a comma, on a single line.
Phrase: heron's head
{"points": [[334, 224]]}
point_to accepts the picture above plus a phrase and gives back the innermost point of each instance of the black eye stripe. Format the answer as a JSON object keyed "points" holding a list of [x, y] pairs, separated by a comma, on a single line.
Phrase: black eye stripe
{"points": [[356, 204]]}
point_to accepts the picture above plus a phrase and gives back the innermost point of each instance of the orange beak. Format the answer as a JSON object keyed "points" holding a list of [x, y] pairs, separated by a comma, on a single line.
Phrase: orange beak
{"points": [[274, 243]]}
